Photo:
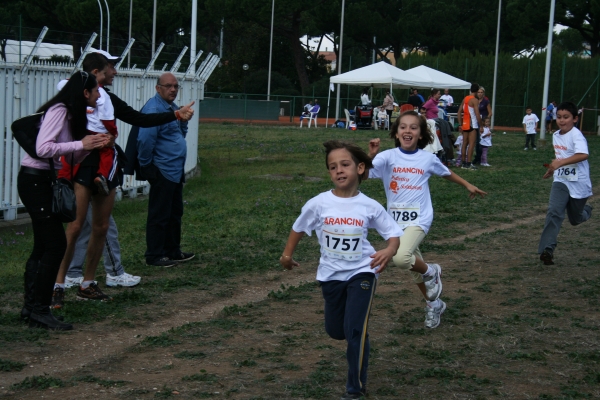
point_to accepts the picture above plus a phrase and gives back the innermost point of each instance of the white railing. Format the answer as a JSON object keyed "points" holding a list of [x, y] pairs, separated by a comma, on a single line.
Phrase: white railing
{"points": [[25, 91]]}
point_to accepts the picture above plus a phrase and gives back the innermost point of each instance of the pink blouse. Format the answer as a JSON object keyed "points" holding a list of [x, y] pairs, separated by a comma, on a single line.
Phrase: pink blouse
{"points": [[432, 108], [54, 140]]}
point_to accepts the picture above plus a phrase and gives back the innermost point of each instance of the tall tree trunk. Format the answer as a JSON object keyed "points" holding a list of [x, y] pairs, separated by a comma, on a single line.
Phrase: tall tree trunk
{"points": [[299, 56]]}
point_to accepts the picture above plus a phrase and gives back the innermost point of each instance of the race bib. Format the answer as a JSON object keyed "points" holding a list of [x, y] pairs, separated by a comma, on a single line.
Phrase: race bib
{"points": [[343, 242], [405, 214], [566, 173]]}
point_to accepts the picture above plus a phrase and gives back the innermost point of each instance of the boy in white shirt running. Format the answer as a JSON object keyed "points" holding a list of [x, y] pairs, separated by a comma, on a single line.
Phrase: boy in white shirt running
{"points": [[349, 265], [572, 185], [405, 171], [530, 126]]}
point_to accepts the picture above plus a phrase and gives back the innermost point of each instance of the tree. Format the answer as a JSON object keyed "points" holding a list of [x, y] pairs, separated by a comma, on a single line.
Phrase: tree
{"points": [[584, 17]]}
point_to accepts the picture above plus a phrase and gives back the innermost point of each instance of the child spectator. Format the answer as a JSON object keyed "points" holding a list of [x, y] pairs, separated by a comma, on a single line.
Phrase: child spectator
{"points": [[550, 115], [349, 265], [457, 147], [530, 127], [382, 116], [486, 142], [572, 185]]}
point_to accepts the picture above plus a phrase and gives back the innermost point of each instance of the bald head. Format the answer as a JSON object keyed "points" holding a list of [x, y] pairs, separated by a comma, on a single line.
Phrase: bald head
{"points": [[167, 87]]}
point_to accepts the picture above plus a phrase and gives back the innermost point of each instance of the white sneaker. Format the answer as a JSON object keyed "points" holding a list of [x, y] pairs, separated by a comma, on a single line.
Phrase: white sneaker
{"points": [[124, 279], [433, 283], [433, 314], [70, 282], [485, 165], [526, 148]]}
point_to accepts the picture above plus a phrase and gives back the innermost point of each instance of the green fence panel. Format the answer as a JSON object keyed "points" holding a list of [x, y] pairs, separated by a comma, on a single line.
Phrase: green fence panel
{"points": [[239, 109]]}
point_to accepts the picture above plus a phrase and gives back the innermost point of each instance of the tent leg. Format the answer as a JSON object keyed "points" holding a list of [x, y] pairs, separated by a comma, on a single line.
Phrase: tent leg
{"points": [[327, 119]]}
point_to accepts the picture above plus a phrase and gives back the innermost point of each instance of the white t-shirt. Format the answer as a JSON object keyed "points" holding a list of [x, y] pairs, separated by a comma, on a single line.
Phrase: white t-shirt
{"points": [[474, 123], [530, 122], [406, 181], [575, 176], [342, 226], [486, 141], [104, 111], [447, 98], [364, 99]]}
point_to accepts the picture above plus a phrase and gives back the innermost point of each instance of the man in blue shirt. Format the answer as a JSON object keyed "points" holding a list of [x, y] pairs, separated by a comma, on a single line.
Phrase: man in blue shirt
{"points": [[161, 152]]}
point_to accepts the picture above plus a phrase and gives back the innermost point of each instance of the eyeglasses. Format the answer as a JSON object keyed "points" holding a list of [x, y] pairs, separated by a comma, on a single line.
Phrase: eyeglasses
{"points": [[168, 87]]}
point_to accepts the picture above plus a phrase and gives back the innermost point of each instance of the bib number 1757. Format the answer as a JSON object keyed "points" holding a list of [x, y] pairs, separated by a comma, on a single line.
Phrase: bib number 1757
{"points": [[343, 242]]}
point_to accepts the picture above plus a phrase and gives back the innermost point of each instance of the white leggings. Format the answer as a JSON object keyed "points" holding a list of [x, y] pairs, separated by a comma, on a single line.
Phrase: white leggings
{"points": [[409, 250]]}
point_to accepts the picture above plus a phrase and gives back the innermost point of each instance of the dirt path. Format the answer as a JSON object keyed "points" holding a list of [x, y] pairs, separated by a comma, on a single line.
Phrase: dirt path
{"points": [[102, 341]]}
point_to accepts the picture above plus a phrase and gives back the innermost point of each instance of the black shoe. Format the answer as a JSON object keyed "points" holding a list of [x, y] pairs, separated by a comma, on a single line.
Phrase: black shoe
{"points": [[547, 257], [349, 396], [102, 185], [165, 262], [92, 292], [44, 319], [26, 313], [182, 257], [58, 298], [31, 269]]}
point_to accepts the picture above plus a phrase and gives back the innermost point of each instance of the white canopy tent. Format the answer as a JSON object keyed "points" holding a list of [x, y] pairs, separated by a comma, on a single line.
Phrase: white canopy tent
{"points": [[437, 79], [379, 75]]}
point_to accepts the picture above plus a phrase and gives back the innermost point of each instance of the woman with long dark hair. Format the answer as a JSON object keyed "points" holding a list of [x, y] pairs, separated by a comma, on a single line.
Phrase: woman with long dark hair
{"points": [[62, 132]]}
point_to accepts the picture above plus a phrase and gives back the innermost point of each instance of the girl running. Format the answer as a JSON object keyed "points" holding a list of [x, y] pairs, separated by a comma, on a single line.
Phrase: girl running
{"points": [[405, 172], [349, 265]]}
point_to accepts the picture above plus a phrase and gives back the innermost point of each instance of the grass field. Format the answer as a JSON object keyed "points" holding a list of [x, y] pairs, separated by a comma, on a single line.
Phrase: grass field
{"points": [[232, 324]]}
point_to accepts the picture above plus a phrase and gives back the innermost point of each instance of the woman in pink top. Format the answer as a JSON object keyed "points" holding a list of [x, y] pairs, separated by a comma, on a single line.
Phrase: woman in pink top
{"points": [[62, 132], [431, 105]]}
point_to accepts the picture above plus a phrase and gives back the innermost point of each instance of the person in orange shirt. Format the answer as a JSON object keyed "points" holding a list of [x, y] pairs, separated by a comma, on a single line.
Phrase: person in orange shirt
{"points": [[469, 120]]}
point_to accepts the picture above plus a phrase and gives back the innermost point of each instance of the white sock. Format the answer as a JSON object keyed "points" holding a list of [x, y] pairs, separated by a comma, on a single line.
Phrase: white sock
{"points": [[59, 285], [430, 271], [433, 304], [86, 284]]}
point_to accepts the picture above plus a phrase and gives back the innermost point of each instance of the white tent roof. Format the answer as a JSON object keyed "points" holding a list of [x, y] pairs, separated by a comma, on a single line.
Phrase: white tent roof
{"points": [[437, 79], [380, 75], [45, 51]]}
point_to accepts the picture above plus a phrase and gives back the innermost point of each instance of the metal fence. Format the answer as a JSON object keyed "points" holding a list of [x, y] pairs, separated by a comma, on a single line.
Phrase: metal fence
{"points": [[28, 85]]}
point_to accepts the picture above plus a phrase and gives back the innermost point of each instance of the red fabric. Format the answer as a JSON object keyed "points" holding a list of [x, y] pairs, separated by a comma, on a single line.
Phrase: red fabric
{"points": [[406, 107], [111, 126], [106, 161], [65, 171]]}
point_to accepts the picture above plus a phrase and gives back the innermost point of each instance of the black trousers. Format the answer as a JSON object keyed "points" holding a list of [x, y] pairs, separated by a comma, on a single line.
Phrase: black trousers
{"points": [[347, 308], [165, 209], [530, 138], [49, 239]]}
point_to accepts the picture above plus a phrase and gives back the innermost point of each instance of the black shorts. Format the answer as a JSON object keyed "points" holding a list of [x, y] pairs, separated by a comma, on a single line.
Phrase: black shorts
{"points": [[88, 171]]}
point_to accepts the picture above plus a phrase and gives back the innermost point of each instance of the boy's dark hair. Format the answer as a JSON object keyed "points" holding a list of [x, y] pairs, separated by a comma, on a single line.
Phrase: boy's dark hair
{"points": [[426, 134], [358, 154], [528, 108], [474, 87], [568, 106], [94, 61]]}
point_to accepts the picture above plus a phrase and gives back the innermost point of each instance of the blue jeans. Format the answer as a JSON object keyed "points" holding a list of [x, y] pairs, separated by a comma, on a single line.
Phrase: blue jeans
{"points": [[560, 201], [112, 249]]}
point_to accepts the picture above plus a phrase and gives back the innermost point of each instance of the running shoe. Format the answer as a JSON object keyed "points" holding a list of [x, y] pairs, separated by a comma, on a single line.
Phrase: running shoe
{"points": [[547, 257], [182, 257], [92, 292], [526, 148], [433, 314], [58, 298], [70, 282], [102, 185], [125, 280], [165, 262], [433, 283], [535, 148]]}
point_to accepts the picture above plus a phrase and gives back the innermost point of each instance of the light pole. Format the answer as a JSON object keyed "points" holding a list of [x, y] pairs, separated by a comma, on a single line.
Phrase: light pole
{"points": [[154, 29], [339, 61], [101, 23], [271, 52], [107, 26], [496, 64], [193, 31], [547, 72], [130, 16]]}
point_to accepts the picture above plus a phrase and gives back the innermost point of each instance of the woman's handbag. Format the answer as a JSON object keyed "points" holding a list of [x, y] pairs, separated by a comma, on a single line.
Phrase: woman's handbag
{"points": [[25, 131], [64, 204]]}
